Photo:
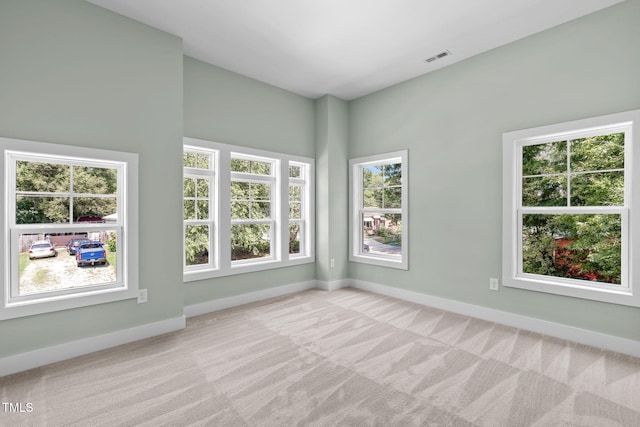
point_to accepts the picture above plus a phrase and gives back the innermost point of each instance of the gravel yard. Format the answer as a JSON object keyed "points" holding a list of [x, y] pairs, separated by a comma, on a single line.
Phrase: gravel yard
{"points": [[61, 272]]}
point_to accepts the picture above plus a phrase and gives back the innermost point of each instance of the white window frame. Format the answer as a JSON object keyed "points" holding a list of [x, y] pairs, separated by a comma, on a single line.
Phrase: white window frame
{"points": [[126, 226], [302, 183], [628, 293], [275, 215], [210, 174], [357, 210], [222, 265]]}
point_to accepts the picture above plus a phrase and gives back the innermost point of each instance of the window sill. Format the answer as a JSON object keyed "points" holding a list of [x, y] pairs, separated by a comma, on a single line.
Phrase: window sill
{"points": [[43, 305], [245, 267], [379, 261], [622, 296]]}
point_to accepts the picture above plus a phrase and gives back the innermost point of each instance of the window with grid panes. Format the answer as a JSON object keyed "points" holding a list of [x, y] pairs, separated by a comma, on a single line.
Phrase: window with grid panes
{"points": [[379, 214], [55, 195], [245, 209], [568, 202]]}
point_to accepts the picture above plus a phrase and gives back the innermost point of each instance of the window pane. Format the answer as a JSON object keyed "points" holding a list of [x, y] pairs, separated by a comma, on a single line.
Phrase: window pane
{"points": [[393, 174], [544, 158], [295, 194], [93, 209], [372, 198], [295, 210], [598, 153], [586, 247], [189, 209], [189, 160], [250, 241], [196, 160], [372, 176], [50, 262], [544, 191], [95, 180], [203, 209], [295, 231], [295, 171], [240, 165], [598, 189], [260, 210], [382, 234], [261, 168], [203, 188], [189, 189], [393, 197], [250, 200], [239, 190], [260, 191], [203, 161], [49, 177], [197, 244], [240, 210], [42, 210], [251, 166]]}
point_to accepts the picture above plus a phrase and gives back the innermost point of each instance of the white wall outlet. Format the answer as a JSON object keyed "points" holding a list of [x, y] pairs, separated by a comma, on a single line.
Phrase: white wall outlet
{"points": [[332, 263], [494, 284], [142, 296]]}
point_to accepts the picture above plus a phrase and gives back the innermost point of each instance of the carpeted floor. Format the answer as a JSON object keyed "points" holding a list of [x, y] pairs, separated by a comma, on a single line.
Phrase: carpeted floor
{"points": [[341, 358]]}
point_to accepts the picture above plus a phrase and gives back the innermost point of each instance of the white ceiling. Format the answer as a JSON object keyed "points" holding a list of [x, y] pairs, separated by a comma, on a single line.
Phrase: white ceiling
{"points": [[346, 48]]}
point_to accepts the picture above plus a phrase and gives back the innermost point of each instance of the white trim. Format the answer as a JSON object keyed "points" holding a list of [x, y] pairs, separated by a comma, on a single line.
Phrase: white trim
{"points": [[44, 356], [356, 209], [278, 221], [558, 330], [236, 300], [126, 227], [629, 292], [335, 285]]}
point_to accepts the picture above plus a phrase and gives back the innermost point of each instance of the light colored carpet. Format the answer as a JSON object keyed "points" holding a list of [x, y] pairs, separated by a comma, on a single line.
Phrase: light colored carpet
{"points": [[341, 358]]}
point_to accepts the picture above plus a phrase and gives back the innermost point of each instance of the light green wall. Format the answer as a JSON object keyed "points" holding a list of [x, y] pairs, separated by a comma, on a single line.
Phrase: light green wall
{"points": [[332, 141], [225, 107], [75, 74], [452, 122]]}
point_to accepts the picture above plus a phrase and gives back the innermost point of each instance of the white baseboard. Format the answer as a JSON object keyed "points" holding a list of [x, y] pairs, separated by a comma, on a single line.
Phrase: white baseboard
{"points": [[223, 303], [37, 358], [569, 333], [332, 286]]}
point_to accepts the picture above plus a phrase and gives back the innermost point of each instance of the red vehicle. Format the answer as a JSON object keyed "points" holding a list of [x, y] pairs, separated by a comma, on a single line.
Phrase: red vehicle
{"points": [[89, 218]]}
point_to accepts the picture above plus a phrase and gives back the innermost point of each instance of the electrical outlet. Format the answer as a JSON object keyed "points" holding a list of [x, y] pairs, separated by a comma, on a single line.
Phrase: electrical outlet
{"points": [[332, 263], [142, 296], [494, 284]]}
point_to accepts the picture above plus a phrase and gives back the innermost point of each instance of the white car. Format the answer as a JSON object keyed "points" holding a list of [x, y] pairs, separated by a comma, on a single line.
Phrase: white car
{"points": [[42, 249]]}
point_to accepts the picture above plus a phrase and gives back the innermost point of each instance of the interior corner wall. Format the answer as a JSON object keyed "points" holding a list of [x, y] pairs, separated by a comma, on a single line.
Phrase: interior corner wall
{"points": [[332, 138], [225, 107], [452, 121], [73, 73]]}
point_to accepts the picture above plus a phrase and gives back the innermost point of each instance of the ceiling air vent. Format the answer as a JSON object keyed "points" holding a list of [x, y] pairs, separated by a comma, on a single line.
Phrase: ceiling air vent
{"points": [[438, 56]]}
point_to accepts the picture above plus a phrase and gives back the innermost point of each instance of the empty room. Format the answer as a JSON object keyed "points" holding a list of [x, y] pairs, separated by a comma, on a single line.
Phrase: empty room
{"points": [[320, 213]]}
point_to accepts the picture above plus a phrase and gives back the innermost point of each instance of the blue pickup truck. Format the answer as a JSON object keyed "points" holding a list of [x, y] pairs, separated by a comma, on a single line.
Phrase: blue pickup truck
{"points": [[91, 252]]}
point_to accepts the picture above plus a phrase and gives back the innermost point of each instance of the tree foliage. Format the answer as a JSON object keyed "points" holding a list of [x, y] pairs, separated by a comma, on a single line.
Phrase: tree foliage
{"points": [[581, 172], [63, 192], [382, 186]]}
